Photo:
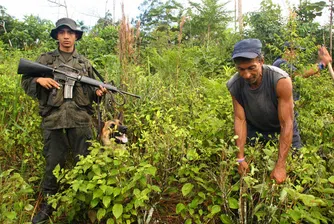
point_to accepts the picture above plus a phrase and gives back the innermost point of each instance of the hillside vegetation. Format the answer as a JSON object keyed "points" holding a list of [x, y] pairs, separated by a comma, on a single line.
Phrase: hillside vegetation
{"points": [[180, 163]]}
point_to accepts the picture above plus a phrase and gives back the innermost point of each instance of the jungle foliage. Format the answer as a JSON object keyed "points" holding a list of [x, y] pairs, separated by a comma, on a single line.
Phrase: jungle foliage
{"points": [[179, 165]]}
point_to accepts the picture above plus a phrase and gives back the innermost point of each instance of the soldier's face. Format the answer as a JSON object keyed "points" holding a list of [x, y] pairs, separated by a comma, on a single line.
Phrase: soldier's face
{"points": [[66, 38]]}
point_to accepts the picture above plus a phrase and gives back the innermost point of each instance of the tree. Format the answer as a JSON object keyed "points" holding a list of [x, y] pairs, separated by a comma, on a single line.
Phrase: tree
{"points": [[6, 25], [308, 11], [158, 16], [206, 20], [105, 21], [82, 26], [306, 25], [265, 24], [30, 33]]}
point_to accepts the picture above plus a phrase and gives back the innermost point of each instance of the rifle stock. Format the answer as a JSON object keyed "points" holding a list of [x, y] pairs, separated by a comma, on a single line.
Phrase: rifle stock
{"points": [[32, 68]]}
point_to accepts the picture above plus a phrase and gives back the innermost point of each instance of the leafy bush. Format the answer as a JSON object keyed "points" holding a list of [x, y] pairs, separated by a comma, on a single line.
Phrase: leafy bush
{"points": [[179, 166], [107, 184], [15, 200]]}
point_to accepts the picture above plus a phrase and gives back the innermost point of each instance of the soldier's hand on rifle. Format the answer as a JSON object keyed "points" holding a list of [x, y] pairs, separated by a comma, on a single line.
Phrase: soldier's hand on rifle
{"points": [[101, 91], [48, 83]]}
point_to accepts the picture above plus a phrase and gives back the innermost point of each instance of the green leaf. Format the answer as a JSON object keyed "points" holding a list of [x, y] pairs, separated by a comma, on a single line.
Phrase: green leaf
{"points": [[260, 215], [111, 181], [151, 170], [86, 166], [236, 187], [295, 215], [215, 209], [97, 193], [109, 190], [81, 196], [106, 201], [187, 188], [233, 203], [104, 188], [136, 192], [328, 190], [94, 202], [194, 203], [10, 215], [110, 221], [117, 210], [188, 221], [6, 173], [331, 179], [113, 172], [97, 169], [283, 195], [28, 207], [201, 194], [192, 154], [76, 185], [117, 191], [56, 170], [180, 207], [91, 186], [225, 219], [310, 200], [101, 213], [156, 188]]}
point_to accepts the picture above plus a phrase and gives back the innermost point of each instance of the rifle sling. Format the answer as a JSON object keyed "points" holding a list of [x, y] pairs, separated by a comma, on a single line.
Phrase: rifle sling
{"points": [[99, 113], [98, 74]]}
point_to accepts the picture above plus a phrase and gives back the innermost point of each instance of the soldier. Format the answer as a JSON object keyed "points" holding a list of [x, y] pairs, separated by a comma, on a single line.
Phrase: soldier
{"points": [[66, 123]]}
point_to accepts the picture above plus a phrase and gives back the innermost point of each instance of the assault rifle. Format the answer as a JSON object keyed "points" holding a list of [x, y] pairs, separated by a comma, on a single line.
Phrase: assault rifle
{"points": [[68, 78]]}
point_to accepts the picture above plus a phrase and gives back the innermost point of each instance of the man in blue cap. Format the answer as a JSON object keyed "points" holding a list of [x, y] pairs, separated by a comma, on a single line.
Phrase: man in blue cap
{"points": [[263, 104], [66, 122]]}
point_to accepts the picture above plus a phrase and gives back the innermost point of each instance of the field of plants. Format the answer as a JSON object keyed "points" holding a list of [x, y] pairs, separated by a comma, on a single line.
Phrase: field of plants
{"points": [[179, 165]]}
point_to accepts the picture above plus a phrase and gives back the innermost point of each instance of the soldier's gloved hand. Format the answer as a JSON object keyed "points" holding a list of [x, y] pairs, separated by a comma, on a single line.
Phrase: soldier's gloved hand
{"points": [[48, 83]]}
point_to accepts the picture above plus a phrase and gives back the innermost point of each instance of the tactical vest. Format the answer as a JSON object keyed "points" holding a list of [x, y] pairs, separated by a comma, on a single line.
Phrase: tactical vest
{"points": [[82, 94]]}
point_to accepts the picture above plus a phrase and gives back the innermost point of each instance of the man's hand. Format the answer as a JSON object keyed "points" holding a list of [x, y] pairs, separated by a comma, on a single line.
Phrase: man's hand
{"points": [[243, 168], [278, 174], [48, 83], [324, 56], [101, 91]]}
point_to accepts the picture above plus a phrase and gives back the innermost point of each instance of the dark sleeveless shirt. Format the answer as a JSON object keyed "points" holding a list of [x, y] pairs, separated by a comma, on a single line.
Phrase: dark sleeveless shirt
{"points": [[260, 104]]}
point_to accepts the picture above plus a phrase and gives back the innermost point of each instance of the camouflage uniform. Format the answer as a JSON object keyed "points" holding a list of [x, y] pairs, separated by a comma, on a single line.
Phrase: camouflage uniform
{"points": [[66, 123]]}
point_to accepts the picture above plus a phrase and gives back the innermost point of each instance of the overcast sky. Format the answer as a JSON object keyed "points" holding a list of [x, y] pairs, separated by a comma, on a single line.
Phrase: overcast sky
{"points": [[90, 10]]}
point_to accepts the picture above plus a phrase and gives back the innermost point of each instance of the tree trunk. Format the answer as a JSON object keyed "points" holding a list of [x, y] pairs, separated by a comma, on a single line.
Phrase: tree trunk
{"points": [[241, 26], [330, 28]]}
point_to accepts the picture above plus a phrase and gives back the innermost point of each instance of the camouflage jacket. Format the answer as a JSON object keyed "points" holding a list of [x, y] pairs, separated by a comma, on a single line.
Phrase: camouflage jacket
{"points": [[57, 112]]}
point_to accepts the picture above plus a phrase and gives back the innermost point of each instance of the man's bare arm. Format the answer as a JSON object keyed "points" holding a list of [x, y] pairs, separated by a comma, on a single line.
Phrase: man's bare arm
{"points": [[240, 129], [285, 115]]}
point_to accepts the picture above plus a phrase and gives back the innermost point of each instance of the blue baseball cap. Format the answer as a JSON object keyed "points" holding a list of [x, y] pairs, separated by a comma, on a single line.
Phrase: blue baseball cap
{"points": [[247, 48]]}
